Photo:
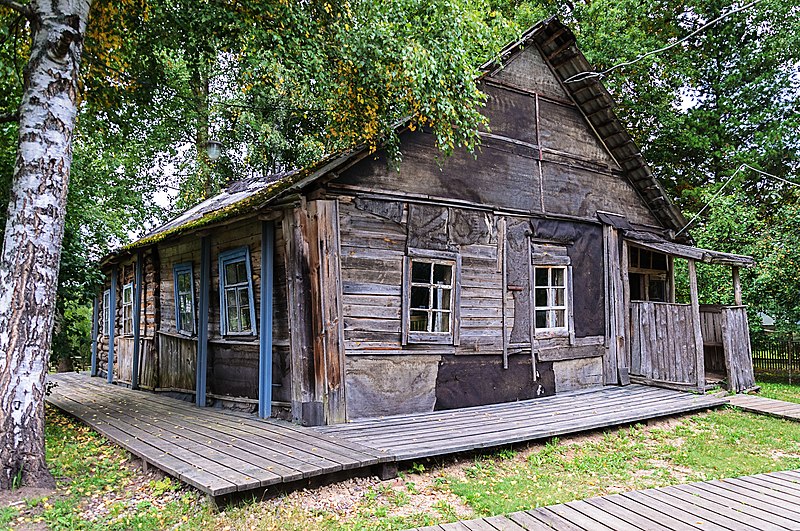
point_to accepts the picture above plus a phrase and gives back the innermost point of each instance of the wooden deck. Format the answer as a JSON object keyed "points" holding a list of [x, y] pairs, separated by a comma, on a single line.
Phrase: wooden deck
{"points": [[765, 501], [223, 453], [445, 432], [767, 406], [217, 452]]}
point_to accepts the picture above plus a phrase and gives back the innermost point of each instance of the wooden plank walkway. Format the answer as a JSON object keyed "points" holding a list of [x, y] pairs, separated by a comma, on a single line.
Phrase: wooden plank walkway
{"points": [[764, 501], [222, 452], [217, 452], [767, 406], [445, 432]]}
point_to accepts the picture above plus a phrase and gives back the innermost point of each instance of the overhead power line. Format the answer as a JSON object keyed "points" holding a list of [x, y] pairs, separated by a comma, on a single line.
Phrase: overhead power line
{"points": [[727, 182], [580, 76]]}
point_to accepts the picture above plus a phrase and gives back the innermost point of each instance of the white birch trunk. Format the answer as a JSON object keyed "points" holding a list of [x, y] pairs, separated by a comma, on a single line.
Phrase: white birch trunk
{"points": [[34, 230]]}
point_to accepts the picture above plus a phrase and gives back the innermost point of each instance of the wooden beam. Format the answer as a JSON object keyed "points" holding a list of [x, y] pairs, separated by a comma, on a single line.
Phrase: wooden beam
{"points": [[737, 287], [265, 340], [112, 325], [202, 325], [137, 318], [95, 319], [698, 334], [330, 298]]}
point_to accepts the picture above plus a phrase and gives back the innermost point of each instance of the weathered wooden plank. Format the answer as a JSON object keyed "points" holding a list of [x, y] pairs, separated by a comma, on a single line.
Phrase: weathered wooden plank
{"points": [[765, 512], [631, 517]]}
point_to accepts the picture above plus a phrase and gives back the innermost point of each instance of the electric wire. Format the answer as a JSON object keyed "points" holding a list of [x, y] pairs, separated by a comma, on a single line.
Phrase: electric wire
{"points": [[581, 76]]}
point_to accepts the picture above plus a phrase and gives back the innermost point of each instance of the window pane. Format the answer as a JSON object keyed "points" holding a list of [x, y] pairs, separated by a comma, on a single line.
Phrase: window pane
{"points": [[241, 269], [443, 274], [441, 299], [660, 261], [657, 290], [421, 272], [558, 318], [541, 318], [441, 321], [558, 276], [558, 296], [230, 274], [127, 295], [232, 311], [540, 297], [418, 322], [187, 324], [244, 308], [540, 276], [420, 297]]}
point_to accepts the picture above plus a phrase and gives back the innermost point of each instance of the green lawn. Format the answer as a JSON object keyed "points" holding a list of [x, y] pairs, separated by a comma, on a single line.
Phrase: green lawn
{"points": [[99, 489], [779, 388]]}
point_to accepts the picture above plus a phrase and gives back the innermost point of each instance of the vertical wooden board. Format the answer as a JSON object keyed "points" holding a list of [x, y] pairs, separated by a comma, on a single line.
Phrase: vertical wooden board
{"points": [[610, 269], [698, 336], [331, 301], [298, 294], [635, 345], [518, 277]]}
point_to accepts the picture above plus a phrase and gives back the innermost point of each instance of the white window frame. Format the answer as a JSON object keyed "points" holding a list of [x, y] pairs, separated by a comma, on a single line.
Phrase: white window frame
{"points": [[127, 310], [451, 337], [551, 307], [241, 254], [178, 270]]}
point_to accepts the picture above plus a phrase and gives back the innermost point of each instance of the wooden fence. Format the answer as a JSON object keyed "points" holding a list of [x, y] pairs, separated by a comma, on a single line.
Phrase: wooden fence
{"points": [[776, 354]]}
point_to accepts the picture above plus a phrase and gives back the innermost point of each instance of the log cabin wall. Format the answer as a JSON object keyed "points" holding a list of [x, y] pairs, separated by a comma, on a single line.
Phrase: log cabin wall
{"points": [[385, 376], [233, 359], [536, 184]]}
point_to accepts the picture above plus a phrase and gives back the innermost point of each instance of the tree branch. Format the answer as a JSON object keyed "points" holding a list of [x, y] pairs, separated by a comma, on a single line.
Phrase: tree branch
{"points": [[22, 9], [9, 118]]}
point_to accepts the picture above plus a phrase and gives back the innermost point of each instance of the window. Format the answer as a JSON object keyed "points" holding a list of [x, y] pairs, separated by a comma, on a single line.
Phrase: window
{"points": [[648, 275], [127, 309], [184, 298], [236, 293], [106, 312], [550, 298], [430, 297]]}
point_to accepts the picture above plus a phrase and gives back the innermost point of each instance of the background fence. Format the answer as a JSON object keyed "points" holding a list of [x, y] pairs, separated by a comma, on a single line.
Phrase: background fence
{"points": [[776, 354]]}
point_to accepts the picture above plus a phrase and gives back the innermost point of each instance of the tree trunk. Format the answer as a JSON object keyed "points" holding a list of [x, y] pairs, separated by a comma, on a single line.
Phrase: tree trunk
{"points": [[34, 230]]}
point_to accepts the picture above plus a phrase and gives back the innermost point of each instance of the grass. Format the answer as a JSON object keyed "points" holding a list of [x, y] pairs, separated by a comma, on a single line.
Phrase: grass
{"points": [[779, 388], [98, 488]]}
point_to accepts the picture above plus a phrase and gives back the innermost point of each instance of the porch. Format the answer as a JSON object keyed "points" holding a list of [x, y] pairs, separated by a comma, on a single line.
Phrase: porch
{"points": [[229, 454], [683, 346]]}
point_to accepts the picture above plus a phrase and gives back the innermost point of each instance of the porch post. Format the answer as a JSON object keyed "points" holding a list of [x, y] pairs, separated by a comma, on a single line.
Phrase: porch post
{"points": [[698, 335], [112, 325], [265, 340], [202, 328], [95, 318], [737, 287], [137, 316]]}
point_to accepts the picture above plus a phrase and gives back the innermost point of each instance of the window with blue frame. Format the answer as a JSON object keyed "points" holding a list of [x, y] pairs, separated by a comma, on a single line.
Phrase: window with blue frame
{"points": [[106, 312], [237, 310], [184, 298]]}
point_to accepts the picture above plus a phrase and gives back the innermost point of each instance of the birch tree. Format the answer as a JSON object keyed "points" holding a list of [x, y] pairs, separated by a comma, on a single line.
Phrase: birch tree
{"points": [[34, 230]]}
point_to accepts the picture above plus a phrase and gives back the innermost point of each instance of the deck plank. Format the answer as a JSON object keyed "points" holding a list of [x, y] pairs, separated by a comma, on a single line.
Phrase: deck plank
{"points": [[220, 452]]}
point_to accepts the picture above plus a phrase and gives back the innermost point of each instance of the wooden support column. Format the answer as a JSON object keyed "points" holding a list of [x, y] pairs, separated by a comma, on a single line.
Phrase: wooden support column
{"points": [[305, 409], [265, 340], [202, 325], [612, 272], [112, 325], [330, 311], [137, 318], [737, 287], [698, 335], [624, 353], [95, 325]]}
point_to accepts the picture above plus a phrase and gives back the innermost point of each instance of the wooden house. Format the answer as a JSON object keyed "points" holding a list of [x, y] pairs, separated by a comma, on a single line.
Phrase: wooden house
{"points": [[348, 289]]}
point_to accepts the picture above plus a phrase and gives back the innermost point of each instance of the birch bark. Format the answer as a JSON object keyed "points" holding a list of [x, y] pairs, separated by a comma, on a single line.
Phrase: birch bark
{"points": [[34, 230]]}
